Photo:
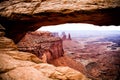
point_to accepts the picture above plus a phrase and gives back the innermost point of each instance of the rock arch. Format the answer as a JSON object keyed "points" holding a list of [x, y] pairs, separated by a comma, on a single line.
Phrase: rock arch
{"points": [[19, 17]]}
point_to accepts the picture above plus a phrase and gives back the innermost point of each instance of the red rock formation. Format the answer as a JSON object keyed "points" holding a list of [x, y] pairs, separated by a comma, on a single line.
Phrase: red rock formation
{"points": [[45, 45], [40, 43], [66, 37], [18, 65], [69, 37], [20, 16], [63, 36]]}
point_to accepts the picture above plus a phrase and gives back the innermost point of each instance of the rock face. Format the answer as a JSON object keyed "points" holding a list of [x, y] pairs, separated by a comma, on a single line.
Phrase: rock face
{"points": [[16, 65], [42, 44], [37, 13], [48, 48]]}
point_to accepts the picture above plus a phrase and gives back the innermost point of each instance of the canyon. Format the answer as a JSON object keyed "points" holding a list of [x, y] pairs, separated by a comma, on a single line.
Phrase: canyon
{"points": [[48, 48], [20, 17], [90, 56], [99, 61], [18, 65]]}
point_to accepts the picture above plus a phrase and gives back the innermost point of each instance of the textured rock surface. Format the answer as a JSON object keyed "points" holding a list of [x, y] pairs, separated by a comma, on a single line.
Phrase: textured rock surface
{"points": [[67, 61], [16, 65], [24, 73], [48, 48], [40, 43], [7, 44], [36, 13], [30, 7]]}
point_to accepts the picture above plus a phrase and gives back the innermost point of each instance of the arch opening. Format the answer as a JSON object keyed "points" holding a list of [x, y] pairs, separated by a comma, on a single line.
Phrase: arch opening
{"points": [[88, 45], [93, 52]]}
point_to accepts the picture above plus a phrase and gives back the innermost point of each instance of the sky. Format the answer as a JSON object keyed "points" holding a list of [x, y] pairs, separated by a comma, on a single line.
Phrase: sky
{"points": [[76, 27]]}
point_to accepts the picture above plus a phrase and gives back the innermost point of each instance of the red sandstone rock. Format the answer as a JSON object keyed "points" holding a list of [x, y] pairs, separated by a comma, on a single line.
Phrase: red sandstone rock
{"points": [[17, 65], [40, 43], [69, 37], [21, 16]]}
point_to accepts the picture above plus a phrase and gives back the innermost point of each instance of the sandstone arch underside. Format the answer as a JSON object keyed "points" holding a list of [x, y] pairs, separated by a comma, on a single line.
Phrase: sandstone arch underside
{"points": [[21, 16]]}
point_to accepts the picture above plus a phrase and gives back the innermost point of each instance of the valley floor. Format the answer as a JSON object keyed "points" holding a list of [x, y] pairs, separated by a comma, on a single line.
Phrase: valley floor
{"points": [[100, 61]]}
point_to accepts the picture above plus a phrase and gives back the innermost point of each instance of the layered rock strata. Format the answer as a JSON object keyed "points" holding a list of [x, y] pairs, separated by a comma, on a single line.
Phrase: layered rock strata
{"points": [[20, 16], [42, 44], [17, 65], [48, 48]]}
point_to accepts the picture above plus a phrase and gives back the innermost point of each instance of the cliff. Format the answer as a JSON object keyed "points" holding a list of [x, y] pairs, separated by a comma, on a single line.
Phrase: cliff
{"points": [[21, 16], [49, 49], [42, 44], [17, 65]]}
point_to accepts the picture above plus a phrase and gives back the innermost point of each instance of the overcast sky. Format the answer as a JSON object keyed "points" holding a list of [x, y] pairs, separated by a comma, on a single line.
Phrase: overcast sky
{"points": [[77, 26]]}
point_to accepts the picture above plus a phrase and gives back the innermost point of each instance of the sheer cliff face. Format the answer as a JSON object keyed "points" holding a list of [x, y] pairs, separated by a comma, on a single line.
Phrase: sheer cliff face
{"points": [[20, 16], [42, 43]]}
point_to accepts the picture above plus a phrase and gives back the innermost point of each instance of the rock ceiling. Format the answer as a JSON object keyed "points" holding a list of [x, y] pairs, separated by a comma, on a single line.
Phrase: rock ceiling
{"points": [[20, 16]]}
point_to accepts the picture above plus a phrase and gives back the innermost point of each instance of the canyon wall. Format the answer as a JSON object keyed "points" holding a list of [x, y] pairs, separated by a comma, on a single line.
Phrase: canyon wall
{"points": [[21, 16], [18, 65], [42, 44], [48, 48]]}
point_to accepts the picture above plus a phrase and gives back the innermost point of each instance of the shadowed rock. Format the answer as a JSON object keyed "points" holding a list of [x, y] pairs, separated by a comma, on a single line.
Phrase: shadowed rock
{"points": [[20, 16]]}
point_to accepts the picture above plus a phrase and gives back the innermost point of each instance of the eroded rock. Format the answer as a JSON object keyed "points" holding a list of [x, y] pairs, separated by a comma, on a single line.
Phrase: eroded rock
{"points": [[16, 65], [38, 6], [40, 43], [21, 16], [24, 73], [8, 63], [7, 44]]}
